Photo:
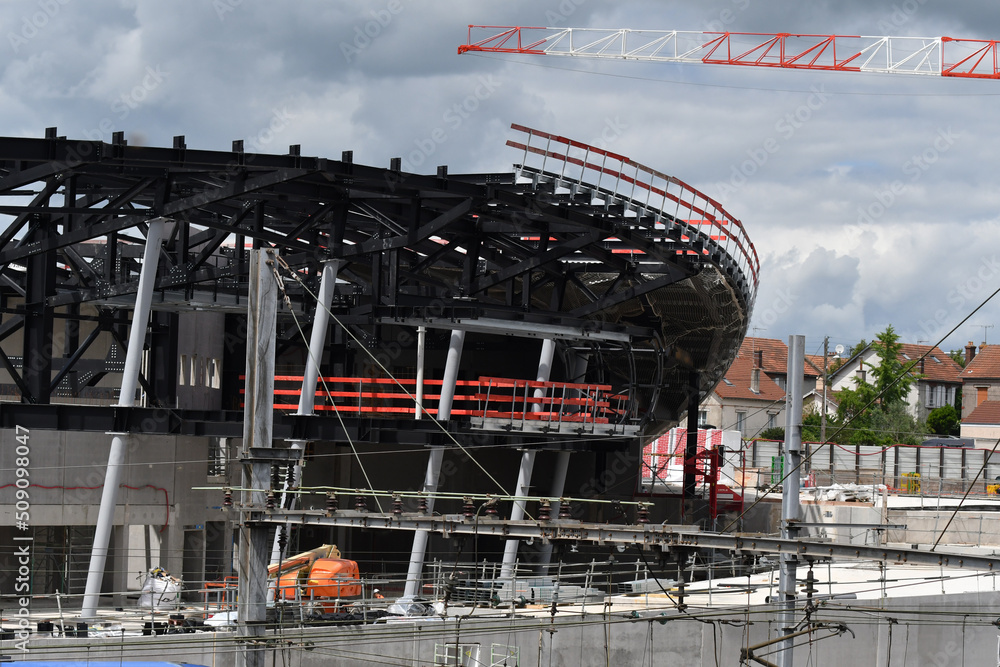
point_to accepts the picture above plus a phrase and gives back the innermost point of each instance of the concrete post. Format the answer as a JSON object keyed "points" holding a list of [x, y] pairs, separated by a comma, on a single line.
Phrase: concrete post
{"points": [[418, 409], [432, 476], [257, 429], [126, 398], [527, 461], [307, 396], [451, 366], [790, 509]]}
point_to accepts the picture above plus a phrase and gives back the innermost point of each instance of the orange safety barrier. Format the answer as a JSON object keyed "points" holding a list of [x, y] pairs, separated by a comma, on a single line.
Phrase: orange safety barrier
{"points": [[488, 397]]}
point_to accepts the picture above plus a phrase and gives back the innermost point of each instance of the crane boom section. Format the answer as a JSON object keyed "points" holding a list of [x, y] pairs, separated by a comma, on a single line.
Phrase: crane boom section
{"points": [[931, 56]]}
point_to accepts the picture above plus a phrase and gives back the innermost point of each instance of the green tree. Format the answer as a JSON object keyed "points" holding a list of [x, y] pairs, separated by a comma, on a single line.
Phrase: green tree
{"points": [[958, 356], [773, 433], [944, 421], [892, 383], [875, 413]]}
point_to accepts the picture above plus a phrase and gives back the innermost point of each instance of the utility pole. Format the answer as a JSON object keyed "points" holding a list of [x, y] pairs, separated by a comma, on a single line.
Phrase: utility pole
{"points": [[262, 311], [790, 509], [822, 413]]}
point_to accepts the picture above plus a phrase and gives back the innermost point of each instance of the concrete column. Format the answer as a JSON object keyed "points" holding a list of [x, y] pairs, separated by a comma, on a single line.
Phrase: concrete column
{"points": [[130, 380], [415, 570], [307, 396], [527, 461], [433, 474], [517, 512], [418, 409], [451, 366], [790, 509], [257, 432]]}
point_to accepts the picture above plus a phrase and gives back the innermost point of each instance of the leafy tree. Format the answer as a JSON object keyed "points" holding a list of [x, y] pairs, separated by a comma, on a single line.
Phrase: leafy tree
{"points": [[891, 383], [958, 356], [773, 433], [811, 424], [876, 413], [944, 421]]}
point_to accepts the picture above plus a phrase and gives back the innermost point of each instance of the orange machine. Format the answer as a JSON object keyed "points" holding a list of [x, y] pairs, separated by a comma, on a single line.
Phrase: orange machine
{"points": [[319, 574]]}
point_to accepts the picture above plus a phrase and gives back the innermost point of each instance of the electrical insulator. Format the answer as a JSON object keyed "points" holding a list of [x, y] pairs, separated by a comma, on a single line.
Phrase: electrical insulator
{"points": [[544, 511], [360, 504], [269, 504], [491, 507], [331, 503], [397, 505], [422, 508], [468, 508], [565, 511], [642, 514], [227, 499]]}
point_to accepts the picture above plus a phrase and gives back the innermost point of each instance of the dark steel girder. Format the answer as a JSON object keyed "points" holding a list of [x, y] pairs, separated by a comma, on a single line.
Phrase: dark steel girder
{"points": [[621, 296]]}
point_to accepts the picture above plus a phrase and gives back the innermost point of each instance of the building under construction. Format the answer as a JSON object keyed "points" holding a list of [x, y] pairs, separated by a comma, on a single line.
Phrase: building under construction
{"points": [[464, 325]]}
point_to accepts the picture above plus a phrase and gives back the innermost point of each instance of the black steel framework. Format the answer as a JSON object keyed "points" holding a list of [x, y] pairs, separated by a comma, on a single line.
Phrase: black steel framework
{"points": [[436, 249]]}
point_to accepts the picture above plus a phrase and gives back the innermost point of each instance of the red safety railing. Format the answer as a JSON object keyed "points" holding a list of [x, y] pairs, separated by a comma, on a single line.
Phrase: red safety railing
{"points": [[488, 398], [701, 216]]}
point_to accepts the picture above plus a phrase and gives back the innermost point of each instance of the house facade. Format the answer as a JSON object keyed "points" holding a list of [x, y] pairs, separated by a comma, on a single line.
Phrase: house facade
{"points": [[751, 396], [937, 376], [981, 394]]}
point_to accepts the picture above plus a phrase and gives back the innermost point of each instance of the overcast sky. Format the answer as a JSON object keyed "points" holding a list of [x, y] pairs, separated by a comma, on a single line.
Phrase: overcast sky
{"points": [[877, 201]]}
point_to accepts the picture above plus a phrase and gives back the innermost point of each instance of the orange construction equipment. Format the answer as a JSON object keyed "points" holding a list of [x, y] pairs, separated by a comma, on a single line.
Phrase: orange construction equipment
{"points": [[318, 574]]}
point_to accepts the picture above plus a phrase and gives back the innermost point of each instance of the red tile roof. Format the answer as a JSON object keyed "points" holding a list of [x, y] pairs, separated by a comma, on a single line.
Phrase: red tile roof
{"points": [[987, 412], [937, 366], [775, 355], [736, 384], [985, 365]]}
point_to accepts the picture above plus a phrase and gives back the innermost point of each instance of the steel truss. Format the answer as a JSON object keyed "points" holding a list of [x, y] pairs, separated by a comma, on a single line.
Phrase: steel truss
{"points": [[412, 248]]}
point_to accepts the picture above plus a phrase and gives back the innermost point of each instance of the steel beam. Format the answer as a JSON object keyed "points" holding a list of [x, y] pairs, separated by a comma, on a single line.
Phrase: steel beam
{"points": [[645, 535]]}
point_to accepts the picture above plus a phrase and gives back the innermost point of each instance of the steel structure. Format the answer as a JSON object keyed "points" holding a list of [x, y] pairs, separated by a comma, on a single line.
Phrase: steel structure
{"points": [[934, 56], [577, 244]]}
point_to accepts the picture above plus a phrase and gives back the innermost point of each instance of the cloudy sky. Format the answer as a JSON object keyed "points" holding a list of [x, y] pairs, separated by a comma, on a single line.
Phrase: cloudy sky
{"points": [[877, 202]]}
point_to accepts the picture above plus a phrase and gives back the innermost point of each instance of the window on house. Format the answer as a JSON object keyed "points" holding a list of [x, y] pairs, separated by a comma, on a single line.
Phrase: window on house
{"points": [[741, 422], [981, 394], [702, 418], [770, 420], [780, 381]]}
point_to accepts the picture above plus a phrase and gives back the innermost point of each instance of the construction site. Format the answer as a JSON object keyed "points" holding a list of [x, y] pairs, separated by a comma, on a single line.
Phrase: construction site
{"points": [[265, 406]]}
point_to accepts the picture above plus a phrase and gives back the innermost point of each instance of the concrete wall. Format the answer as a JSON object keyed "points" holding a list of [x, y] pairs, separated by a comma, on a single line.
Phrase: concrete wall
{"points": [[66, 472], [569, 640]]}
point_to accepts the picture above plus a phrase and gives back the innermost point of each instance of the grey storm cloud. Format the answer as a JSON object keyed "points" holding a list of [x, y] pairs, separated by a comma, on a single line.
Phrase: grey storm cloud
{"points": [[863, 213]]}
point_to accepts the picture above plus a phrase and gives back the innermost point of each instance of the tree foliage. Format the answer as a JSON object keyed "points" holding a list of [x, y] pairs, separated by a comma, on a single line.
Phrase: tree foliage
{"points": [[875, 413], [944, 421]]}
